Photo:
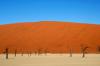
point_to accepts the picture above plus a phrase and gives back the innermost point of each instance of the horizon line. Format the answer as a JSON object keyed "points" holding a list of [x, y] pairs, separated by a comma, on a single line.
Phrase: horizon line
{"points": [[50, 21]]}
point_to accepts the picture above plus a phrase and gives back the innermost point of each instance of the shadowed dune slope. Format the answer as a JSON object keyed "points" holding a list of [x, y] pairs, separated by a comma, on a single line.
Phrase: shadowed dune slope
{"points": [[49, 36]]}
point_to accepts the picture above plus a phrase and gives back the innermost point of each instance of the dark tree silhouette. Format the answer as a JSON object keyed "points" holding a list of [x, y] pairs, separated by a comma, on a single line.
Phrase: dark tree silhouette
{"points": [[70, 52], [22, 54], [30, 53], [98, 49], [35, 52], [15, 52], [46, 51], [6, 52], [83, 49], [39, 51]]}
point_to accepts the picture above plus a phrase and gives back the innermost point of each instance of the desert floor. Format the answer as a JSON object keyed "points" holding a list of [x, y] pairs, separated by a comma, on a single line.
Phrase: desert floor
{"points": [[50, 60]]}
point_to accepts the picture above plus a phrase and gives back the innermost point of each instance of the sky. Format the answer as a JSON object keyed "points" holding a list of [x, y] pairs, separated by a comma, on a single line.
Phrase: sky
{"points": [[82, 11]]}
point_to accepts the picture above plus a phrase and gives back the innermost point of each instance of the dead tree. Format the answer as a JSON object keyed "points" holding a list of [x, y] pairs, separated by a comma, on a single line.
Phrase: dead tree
{"points": [[45, 51], [15, 52], [22, 54], [83, 49], [39, 51], [70, 52], [30, 53], [6, 52], [35, 52], [98, 49]]}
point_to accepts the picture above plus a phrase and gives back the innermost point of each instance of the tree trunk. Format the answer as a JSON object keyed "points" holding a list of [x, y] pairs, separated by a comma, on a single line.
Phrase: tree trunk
{"points": [[15, 52], [83, 55], [6, 51], [70, 52]]}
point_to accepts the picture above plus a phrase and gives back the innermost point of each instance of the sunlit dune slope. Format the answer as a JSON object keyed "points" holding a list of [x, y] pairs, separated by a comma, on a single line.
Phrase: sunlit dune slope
{"points": [[49, 36]]}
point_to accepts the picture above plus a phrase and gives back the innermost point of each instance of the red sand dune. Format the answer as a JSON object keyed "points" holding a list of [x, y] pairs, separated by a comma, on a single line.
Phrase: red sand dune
{"points": [[54, 37]]}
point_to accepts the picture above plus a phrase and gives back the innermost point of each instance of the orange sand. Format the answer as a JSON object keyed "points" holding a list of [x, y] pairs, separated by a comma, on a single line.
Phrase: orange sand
{"points": [[54, 37]]}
